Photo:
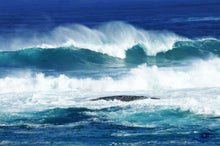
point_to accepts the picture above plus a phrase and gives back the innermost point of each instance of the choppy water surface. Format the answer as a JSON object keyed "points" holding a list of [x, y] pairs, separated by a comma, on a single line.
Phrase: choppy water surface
{"points": [[57, 56]]}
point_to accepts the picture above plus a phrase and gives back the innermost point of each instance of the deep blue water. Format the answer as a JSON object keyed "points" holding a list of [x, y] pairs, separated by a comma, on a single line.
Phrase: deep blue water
{"points": [[55, 56]]}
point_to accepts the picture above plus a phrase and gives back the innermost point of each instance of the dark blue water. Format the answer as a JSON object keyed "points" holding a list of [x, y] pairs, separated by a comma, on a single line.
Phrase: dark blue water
{"points": [[55, 56], [157, 15]]}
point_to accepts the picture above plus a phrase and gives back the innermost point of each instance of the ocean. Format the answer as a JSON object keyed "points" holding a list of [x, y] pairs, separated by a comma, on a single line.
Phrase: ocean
{"points": [[58, 56]]}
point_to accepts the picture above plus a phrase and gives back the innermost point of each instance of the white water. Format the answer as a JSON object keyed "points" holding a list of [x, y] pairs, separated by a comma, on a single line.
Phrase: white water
{"points": [[195, 87], [200, 74], [199, 101], [112, 38]]}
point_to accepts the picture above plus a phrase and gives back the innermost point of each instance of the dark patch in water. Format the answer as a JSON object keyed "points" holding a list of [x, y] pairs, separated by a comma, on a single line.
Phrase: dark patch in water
{"points": [[206, 135], [123, 98]]}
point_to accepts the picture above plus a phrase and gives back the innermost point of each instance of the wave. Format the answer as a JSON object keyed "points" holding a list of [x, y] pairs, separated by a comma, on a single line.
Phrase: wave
{"points": [[124, 115], [71, 58], [193, 49], [196, 19], [59, 58], [113, 44], [199, 75], [180, 52], [113, 38], [195, 88]]}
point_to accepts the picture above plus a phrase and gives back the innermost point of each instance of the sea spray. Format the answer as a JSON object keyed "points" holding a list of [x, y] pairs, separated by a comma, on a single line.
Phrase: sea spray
{"points": [[112, 38]]}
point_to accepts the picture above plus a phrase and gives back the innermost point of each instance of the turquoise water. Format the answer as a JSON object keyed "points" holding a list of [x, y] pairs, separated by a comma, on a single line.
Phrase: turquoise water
{"points": [[56, 56]]}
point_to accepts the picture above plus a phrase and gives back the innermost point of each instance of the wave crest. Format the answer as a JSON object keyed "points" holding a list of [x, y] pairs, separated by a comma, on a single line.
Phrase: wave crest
{"points": [[112, 38], [71, 59]]}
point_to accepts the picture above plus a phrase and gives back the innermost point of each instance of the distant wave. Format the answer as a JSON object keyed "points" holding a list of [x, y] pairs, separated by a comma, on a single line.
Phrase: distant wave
{"points": [[195, 19]]}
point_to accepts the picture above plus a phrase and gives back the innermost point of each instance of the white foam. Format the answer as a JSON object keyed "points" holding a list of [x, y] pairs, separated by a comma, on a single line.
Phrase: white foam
{"points": [[200, 74], [112, 38], [186, 88], [151, 113], [198, 101]]}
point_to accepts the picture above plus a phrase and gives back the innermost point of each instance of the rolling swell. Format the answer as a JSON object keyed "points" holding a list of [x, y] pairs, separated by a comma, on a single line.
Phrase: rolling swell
{"points": [[69, 58], [72, 124], [57, 58], [191, 49], [182, 50]]}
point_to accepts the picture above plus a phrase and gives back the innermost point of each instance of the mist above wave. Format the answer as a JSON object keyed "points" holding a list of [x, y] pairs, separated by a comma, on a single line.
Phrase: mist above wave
{"points": [[112, 38]]}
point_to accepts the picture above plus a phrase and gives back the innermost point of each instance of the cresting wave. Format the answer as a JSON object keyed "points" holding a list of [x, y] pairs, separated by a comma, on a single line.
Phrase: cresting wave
{"points": [[58, 58], [69, 58], [112, 38], [200, 74]]}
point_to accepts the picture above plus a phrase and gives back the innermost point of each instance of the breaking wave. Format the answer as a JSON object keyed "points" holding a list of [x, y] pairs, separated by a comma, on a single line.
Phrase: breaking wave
{"points": [[113, 38], [71, 58], [200, 74]]}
